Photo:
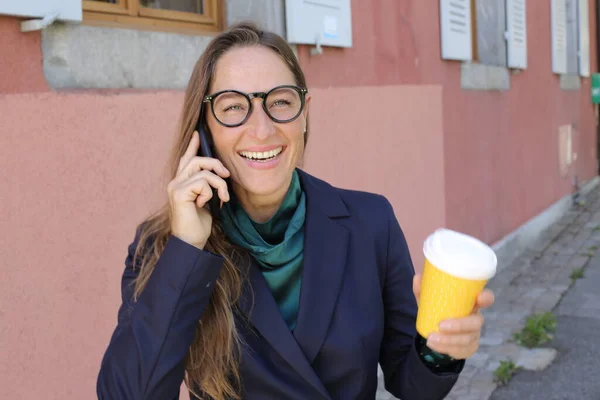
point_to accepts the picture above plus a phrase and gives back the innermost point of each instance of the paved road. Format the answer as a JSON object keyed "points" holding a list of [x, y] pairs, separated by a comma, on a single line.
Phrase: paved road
{"points": [[575, 373]]}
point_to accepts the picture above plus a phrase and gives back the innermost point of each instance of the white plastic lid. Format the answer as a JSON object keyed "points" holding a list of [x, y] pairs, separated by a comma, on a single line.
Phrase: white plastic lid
{"points": [[460, 255]]}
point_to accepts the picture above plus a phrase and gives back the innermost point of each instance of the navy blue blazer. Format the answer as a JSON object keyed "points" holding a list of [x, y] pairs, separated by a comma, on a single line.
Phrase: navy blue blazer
{"points": [[357, 309]]}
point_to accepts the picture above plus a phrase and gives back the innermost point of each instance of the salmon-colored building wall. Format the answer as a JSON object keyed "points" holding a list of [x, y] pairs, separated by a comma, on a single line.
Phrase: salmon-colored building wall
{"points": [[79, 171], [359, 140], [501, 161], [20, 59], [502, 148]]}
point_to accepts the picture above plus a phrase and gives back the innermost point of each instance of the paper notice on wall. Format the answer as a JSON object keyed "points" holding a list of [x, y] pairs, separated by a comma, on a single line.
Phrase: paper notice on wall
{"points": [[565, 149], [330, 30]]}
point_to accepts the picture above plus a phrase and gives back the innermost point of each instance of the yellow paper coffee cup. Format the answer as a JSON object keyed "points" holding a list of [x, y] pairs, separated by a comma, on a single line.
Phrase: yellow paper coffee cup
{"points": [[457, 268]]}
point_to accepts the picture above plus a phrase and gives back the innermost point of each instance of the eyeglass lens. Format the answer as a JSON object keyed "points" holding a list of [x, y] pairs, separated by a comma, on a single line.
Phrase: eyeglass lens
{"points": [[282, 104]]}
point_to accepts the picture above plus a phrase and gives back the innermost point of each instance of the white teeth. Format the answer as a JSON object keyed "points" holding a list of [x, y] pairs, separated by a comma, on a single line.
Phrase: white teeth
{"points": [[261, 155]]}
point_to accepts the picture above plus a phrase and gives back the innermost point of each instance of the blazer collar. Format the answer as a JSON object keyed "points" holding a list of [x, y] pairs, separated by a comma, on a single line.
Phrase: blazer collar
{"points": [[325, 251], [322, 196]]}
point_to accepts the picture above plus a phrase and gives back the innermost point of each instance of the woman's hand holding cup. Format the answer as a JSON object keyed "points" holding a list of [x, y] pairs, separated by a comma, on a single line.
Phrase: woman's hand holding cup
{"points": [[451, 291], [458, 337]]}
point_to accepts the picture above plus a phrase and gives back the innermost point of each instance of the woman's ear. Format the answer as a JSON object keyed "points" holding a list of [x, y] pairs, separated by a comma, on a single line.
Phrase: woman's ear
{"points": [[306, 105], [305, 113]]}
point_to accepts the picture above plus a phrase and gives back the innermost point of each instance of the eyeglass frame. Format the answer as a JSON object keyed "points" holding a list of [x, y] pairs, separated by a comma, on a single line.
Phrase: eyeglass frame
{"points": [[262, 95]]}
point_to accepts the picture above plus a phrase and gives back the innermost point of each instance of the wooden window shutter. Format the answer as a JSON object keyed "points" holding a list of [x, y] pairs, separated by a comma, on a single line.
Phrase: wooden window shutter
{"points": [[559, 36], [456, 30], [516, 30]]}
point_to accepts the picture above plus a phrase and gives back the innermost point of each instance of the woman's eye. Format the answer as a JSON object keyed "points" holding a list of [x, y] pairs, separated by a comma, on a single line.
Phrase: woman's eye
{"points": [[280, 103], [233, 107]]}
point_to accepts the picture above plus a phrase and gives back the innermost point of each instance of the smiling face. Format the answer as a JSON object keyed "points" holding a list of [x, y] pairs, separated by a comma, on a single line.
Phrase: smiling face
{"points": [[260, 154]]}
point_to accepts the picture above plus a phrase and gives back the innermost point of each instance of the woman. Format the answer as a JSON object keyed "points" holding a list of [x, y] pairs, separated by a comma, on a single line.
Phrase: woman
{"points": [[297, 289]]}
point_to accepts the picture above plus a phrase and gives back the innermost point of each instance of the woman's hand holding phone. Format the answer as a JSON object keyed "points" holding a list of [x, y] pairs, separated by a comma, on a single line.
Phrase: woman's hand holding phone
{"points": [[190, 190]]}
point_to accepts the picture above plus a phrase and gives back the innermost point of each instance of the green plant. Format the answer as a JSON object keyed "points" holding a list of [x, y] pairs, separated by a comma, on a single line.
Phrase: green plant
{"points": [[597, 228], [593, 248], [538, 330], [504, 372], [577, 274]]}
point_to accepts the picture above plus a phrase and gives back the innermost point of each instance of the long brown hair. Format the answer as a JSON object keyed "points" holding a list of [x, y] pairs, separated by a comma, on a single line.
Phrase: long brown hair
{"points": [[213, 358]]}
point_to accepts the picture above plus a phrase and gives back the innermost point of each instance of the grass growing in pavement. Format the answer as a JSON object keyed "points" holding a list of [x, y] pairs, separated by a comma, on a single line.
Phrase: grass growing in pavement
{"points": [[577, 274], [538, 330], [504, 372]]}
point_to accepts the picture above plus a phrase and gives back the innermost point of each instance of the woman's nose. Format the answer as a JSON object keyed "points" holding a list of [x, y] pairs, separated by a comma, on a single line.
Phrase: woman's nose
{"points": [[261, 125]]}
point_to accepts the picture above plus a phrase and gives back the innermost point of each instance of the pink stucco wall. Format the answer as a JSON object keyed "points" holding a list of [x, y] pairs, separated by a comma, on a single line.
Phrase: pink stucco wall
{"points": [[80, 170], [20, 59], [369, 145], [500, 148]]}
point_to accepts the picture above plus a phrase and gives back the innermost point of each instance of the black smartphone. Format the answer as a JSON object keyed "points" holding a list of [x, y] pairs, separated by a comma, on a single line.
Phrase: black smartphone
{"points": [[206, 150]]}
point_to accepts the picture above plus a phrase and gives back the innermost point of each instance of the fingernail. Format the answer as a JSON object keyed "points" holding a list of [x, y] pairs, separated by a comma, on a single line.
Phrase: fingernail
{"points": [[434, 337], [445, 325]]}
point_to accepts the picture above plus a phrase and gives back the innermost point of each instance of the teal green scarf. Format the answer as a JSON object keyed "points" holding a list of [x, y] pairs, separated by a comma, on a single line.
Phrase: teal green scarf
{"points": [[277, 245]]}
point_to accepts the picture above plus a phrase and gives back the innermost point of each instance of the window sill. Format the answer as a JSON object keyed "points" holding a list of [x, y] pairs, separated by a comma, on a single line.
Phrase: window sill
{"points": [[475, 76], [90, 57], [570, 82]]}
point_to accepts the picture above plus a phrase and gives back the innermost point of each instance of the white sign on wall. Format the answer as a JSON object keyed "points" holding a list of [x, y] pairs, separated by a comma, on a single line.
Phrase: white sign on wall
{"points": [[319, 22], [66, 10]]}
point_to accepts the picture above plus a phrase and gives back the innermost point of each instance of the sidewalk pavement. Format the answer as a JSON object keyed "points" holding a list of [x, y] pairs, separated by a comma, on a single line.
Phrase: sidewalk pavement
{"points": [[574, 373], [535, 282]]}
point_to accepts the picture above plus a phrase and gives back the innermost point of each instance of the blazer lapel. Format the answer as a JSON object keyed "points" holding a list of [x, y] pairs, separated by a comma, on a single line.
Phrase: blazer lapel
{"points": [[325, 250], [264, 315]]}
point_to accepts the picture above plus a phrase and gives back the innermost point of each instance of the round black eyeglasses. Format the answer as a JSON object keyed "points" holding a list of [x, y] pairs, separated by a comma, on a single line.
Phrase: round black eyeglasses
{"points": [[282, 104]]}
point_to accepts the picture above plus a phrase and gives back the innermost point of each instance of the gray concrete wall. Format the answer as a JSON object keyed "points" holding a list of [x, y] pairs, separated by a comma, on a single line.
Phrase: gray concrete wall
{"points": [[90, 57]]}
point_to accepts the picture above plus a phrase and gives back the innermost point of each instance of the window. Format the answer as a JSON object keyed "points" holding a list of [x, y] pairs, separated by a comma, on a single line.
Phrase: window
{"points": [[490, 32], [489, 25], [173, 15], [572, 64], [570, 37]]}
